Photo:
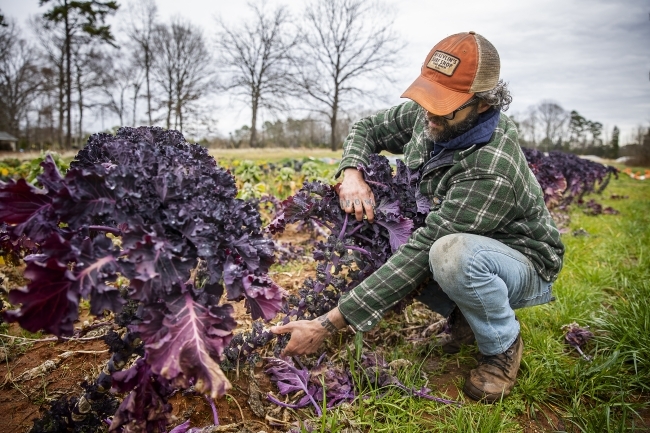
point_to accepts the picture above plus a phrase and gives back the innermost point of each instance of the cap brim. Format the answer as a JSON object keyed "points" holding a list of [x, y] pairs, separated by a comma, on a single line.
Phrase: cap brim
{"points": [[435, 98]]}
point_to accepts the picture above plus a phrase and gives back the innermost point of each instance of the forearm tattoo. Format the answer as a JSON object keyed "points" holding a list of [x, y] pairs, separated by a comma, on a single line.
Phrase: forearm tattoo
{"points": [[327, 324]]}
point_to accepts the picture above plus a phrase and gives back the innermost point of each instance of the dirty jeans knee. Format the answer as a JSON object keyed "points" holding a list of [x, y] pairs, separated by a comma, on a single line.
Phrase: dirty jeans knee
{"points": [[487, 279]]}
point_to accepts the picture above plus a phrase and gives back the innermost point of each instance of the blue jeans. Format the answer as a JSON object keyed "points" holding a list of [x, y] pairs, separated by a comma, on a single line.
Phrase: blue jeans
{"points": [[487, 280]]}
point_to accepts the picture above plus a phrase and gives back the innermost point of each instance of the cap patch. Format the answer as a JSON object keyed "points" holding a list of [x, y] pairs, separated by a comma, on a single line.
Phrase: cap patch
{"points": [[443, 63]]}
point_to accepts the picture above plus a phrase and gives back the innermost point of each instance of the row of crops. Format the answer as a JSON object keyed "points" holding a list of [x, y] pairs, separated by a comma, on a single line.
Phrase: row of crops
{"points": [[156, 236], [254, 178], [564, 177]]}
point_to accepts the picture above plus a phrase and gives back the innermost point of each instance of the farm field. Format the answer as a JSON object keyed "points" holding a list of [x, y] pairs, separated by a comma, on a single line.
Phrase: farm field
{"points": [[266, 153], [605, 285]]}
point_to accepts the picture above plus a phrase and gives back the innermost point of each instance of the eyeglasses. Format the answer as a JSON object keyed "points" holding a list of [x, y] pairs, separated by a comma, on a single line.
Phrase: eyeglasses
{"points": [[451, 115]]}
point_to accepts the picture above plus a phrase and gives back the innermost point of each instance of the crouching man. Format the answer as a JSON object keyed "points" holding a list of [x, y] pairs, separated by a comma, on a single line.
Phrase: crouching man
{"points": [[489, 241]]}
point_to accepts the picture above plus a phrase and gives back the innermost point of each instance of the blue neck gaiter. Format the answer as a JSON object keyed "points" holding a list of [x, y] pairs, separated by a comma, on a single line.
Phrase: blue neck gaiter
{"points": [[481, 133]]}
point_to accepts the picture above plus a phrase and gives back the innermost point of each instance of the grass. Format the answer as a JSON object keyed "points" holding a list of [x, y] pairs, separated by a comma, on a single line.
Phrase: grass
{"points": [[605, 284]]}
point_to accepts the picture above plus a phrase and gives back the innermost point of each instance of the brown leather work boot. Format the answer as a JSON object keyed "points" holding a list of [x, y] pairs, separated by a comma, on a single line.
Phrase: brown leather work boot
{"points": [[460, 333], [496, 375]]}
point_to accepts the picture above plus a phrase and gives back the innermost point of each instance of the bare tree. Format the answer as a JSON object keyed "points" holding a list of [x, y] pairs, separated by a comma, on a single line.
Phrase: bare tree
{"points": [[46, 108], [143, 16], [136, 79], [120, 83], [115, 90], [182, 68], [638, 133], [256, 57], [639, 146], [20, 78], [530, 125], [52, 43], [552, 118], [89, 70], [163, 70], [346, 41], [7, 33], [75, 18]]}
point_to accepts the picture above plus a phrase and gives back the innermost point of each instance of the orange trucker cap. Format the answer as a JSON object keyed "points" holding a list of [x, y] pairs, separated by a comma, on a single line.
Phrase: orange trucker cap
{"points": [[456, 68]]}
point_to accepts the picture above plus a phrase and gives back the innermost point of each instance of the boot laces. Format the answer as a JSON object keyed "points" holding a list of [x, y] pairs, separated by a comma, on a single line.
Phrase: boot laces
{"points": [[502, 360]]}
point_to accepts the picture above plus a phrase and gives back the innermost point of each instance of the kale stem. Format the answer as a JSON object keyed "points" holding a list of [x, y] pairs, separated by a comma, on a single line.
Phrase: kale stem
{"points": [[375, 183], [328, 267], [357, 228], [361, 250], [345, 225], [370, 241], [107, 229], [215, 415], [586, 357]]}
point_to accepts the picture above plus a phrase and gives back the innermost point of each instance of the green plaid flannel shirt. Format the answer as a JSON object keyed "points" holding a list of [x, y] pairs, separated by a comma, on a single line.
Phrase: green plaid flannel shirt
{"points": [[487, 190]]}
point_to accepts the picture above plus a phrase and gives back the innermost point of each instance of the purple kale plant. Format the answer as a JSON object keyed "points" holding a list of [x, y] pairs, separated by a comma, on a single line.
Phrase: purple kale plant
{"points": [[327, 381], [290, 379], [354, 249], [148, 206], [594, 208], [577, 337], [322, 381], [565, 177]]}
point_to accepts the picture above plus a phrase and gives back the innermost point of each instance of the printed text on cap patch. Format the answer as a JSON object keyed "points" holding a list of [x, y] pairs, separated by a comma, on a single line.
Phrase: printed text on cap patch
{"points": [[443, 63]]}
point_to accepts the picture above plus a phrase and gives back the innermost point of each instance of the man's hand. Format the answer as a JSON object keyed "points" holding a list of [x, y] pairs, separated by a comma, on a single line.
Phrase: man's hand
{"points": [[308, 335], [356, 196]]}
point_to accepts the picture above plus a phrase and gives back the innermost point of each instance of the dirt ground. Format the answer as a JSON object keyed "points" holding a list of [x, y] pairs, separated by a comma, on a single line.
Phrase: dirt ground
{"points": [[25, 393]]}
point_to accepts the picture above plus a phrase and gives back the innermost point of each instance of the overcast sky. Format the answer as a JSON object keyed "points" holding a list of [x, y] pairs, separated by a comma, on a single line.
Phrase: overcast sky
{"points": [[591, 56]]}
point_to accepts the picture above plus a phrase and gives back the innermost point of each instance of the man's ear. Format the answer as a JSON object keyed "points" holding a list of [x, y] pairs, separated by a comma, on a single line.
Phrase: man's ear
{"points": [[483, 106]]}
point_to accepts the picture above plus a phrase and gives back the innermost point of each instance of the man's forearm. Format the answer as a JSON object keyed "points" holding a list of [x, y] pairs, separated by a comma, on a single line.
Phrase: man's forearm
{"points": [[333, 321]]}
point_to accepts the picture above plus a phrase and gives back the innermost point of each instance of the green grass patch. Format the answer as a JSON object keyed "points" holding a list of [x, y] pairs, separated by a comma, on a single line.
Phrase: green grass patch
{"points": [[604, 285]]}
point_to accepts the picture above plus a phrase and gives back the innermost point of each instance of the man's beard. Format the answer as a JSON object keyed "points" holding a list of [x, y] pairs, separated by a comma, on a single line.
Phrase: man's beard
{"points": [[448, 133]]}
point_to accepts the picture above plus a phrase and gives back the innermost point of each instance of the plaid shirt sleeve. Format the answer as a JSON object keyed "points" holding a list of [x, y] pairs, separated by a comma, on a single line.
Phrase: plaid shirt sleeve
{"points": [[386, 130], [476, 206]]}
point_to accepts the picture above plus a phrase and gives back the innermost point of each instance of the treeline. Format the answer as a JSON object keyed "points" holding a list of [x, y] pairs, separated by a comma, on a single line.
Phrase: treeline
{"points": [[293, 133], [547, 126], [138, 69], [638, 152]]}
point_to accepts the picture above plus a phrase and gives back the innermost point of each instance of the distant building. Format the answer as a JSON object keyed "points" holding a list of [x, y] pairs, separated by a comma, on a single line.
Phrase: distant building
{"points": [[7, 142]]}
